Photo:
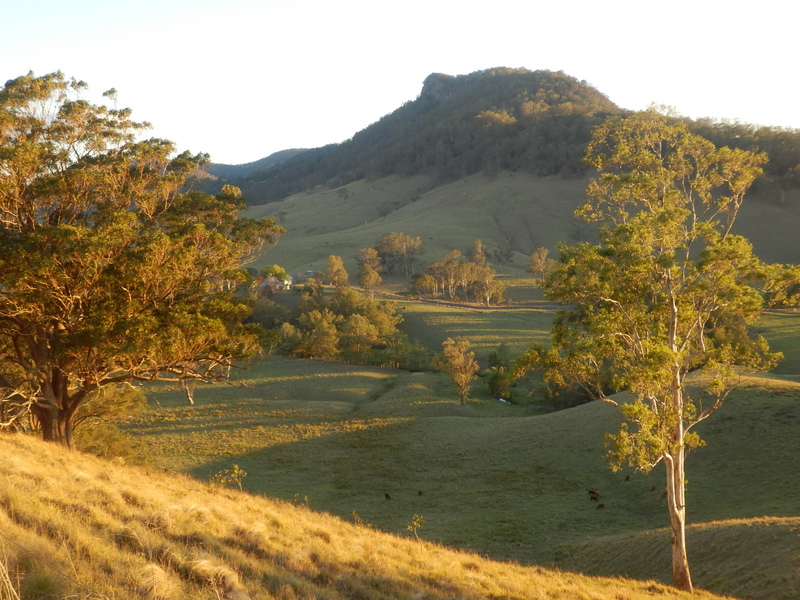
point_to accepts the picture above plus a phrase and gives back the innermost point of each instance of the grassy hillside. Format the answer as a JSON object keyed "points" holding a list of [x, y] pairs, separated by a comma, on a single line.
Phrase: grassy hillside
{"points": [[526, 211], [73, 526], [504, 480]]}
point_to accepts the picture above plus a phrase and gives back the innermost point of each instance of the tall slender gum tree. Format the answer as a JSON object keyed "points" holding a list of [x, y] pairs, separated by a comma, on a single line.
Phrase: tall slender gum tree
{"points": [[662, 304]]}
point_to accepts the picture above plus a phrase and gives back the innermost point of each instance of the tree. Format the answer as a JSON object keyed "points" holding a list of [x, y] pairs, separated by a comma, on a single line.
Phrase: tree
{"points": [[458, 361], [478, 253], [358, 336], [336, 275], [320, 335], [664, 295], [399, 253], [369, 257], [425, 285], [369, 265], [539, 264], [447, 272], [276, 271], [112, 269], [504, 253]]}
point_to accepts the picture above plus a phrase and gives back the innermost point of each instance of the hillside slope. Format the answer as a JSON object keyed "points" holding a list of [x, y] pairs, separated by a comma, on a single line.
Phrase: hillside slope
{"points": [[74, 526], [524, 211], [502, 480], [534, 122]]}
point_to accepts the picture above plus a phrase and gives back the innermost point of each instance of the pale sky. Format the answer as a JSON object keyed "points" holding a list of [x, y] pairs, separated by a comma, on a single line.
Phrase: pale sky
{"points": [[241, 79]]}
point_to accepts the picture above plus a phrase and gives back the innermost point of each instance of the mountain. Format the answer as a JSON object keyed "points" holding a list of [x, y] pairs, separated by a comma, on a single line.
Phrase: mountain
{"points": [[492, 121], [236, 171], [489, 121]]}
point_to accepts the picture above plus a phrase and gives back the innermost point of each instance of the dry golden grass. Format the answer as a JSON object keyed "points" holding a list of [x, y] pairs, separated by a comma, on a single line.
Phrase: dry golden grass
{"points": [[75, 526]]}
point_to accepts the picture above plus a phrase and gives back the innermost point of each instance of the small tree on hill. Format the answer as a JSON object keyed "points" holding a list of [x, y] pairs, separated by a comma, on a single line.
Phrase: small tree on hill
{"points": [[336, 275], [665, 295], [504, 253], [458, 361], [112, 269], [478, 254], [540, 265]]}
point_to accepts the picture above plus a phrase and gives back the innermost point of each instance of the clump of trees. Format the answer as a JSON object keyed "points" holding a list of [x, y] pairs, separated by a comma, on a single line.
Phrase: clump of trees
{"points": [[369, 266], [350, 326], [112, 267], [540, 265], [499, 376], [336, 275], [399, 253], [474, 279]]}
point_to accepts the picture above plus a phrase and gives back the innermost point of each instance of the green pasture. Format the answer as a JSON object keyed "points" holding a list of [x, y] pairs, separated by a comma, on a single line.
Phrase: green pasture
{"points": [[484, 328], [510, 481], [525, 211]]}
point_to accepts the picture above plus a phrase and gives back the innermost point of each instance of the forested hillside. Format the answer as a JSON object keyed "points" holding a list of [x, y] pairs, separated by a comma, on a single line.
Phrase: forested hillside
{"points": [[500, 119], [515, 120]]}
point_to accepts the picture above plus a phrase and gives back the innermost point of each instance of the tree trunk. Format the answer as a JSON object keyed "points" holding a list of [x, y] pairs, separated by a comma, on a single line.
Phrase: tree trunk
{"points": [[188, 386], [56, 424], [677, 516]]}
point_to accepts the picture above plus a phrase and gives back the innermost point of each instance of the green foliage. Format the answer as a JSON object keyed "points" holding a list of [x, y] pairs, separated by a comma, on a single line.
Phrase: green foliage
{"points": [[231, 476], [485, 122], [369, 264], [475, 279], [664, 294], [504, 253], [417, 523], [540, 265], [112, 270], [336, 274], [275, 271], [353, 327], [500, 356], [499, 382], [398, 253], [95, 429], [268, 313], [458, 361]]}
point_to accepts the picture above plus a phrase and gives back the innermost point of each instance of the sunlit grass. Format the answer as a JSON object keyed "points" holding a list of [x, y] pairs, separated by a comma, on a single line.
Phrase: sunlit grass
{"points": [[502, 480], [77, 527], [431, 324]]}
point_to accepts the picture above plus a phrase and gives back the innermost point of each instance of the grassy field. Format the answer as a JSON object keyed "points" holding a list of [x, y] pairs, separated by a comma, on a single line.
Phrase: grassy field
{"points": [[75, 527], [502, 480], [527, 212]]}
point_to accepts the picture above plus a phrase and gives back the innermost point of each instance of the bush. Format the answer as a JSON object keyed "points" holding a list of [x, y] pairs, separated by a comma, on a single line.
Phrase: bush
{"points": [[499, 382]]}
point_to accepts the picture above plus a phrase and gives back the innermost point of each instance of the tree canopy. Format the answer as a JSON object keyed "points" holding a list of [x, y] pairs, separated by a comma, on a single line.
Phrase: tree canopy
{"points": [[112, 268], [661, 306]]}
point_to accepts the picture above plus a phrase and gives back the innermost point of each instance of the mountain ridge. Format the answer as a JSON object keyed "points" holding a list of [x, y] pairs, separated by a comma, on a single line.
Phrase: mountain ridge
{"points": [[490, 121]]}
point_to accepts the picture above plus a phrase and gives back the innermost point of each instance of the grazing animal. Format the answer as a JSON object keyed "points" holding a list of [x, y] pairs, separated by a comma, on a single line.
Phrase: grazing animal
{"points": [[653, 489], [594, 496], [627, 477], [387, 496], [419, 493], [601, 505], [664, 494]]}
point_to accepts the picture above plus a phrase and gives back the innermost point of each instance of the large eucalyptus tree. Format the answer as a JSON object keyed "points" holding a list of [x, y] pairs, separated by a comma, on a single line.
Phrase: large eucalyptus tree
{"points": [[112, 268], [661, 306]]}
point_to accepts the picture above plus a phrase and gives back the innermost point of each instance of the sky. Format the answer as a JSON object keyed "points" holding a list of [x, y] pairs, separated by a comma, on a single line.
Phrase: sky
{"points": [[241, 79]]}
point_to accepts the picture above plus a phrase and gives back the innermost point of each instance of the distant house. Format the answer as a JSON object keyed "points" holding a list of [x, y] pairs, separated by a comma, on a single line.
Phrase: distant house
{"points": [[271, 284]]}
